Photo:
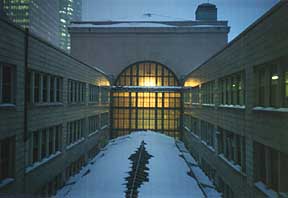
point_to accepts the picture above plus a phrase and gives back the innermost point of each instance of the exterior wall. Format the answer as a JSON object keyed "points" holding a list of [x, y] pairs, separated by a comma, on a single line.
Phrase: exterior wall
{"points": [[263, 42], [43, 57], [179, 48]]}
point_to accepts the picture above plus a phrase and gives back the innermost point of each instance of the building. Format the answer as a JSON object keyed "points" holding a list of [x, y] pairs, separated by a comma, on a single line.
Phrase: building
{"points": [[41, 17], [143, 54], [235, 111], [179, 45], [231, 110], [69, 10], [54, 113]]}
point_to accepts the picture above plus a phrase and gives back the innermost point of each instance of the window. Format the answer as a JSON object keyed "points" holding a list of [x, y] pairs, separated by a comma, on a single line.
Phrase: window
{"points": [[51, 187], [44, 143], [7, 158], [7, 83], [104, 95], [104, 119], [94, 123], [207, 93], [270, 167], [44, 88], [286, 88], [76, 92], [135, 106], [232, 89], [271, 86], [207, 133], [233, 147], [94, 93], [75, 131], [195, 95], [75, 167], [225, 189], [187, 96]]}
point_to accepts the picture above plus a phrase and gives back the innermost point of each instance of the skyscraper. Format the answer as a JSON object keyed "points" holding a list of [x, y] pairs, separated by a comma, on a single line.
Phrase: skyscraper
{"points": [[41, 17], [69, 10]]}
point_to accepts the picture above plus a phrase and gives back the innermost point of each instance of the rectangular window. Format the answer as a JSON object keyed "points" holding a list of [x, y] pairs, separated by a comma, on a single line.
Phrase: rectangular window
{"points": [[207, 133], [232, 89], [76, 91], [75, 130], [94, 93], [207, 92], [233, 147], [272, 88], [37, 88], [7, 73], [104, 95], [104, 119], [270, 167], [195, 95], [94, 123], [7, 158]]}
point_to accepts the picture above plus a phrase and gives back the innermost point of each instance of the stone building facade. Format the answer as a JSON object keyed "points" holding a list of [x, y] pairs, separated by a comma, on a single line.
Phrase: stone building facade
{"points": [[54, 113], [180, 45], [236, 111]]}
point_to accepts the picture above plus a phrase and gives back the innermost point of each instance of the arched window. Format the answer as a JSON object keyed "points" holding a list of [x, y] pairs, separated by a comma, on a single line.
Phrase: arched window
{"points": [[147, 74], [146, 97]]}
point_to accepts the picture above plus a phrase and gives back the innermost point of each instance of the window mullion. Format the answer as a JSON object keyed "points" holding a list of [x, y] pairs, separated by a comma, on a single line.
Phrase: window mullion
{"points": [[54, 139], [48, 88], [40, 90], [1, 83]]}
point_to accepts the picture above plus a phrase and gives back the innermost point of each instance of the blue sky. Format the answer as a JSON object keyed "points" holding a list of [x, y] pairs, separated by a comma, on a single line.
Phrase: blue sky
{"points": [[239, 13]]}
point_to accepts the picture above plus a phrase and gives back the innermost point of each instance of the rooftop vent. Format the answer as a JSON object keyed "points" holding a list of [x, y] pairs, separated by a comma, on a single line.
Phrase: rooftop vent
{"points": [[206, 12]]}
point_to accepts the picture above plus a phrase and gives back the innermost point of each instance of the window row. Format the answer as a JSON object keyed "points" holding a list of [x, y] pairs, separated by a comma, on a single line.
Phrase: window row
{"points": [[97, 94], [272, 84], [231, 91], [200, 128], [230, 145], [270, 168], [44, 143]]}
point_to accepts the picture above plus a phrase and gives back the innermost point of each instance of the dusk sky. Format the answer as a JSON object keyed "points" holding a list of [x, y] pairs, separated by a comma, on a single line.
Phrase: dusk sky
{"points": [[239, 13]]}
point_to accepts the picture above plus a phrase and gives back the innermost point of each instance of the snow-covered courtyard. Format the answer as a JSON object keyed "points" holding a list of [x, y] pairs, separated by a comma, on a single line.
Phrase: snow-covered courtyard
{"points": [[104, 176]]}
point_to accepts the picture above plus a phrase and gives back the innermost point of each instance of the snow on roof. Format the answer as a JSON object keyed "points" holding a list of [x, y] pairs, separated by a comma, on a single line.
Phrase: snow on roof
{"points": [[105, 175], [151, 24], [128, 24]]}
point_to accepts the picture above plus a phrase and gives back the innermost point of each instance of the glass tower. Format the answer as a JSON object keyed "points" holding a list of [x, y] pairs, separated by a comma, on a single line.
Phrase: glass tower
{"points": [[70, 10], [41, 17]]}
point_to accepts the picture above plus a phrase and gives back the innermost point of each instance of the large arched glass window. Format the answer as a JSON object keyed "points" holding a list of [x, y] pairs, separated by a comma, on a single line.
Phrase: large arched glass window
{"points": [[146, 97], [147, 74]]}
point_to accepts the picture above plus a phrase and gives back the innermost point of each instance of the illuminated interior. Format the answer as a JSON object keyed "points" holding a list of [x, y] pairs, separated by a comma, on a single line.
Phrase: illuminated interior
{"points": [[146, 98]]}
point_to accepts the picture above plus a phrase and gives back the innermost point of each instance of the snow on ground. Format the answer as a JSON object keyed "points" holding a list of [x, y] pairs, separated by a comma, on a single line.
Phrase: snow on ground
{"points": [[105, 175]]}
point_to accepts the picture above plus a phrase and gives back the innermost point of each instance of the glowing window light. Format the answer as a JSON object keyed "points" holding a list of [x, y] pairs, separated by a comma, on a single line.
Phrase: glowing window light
{"points": [[275, 77], [148, 82]]}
